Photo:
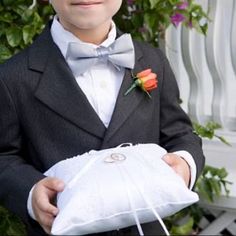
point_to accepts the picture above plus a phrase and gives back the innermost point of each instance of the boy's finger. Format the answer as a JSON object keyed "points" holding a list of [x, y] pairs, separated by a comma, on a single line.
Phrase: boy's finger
{"points": [[54, 184], [46, 219], [168, 159], [45, 206], [46, 222]]}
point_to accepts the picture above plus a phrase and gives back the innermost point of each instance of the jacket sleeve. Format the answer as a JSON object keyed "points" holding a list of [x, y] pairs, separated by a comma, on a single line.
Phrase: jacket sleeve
{"points": [[176, 128], [16, 176]]}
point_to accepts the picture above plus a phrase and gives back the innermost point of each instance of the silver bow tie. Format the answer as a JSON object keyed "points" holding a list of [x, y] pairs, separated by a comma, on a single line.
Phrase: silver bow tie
{"points": [[81, 57]]}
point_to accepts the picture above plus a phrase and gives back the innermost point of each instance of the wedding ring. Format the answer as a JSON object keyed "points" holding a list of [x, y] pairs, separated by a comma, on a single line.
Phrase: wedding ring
{"points": [[109, 159], [118, 157], [115, 157]]}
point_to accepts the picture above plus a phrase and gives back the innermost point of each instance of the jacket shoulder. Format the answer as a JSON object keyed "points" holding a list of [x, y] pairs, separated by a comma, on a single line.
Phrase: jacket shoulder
{"points": [[19, 62], [16, 61], [149, 51]]}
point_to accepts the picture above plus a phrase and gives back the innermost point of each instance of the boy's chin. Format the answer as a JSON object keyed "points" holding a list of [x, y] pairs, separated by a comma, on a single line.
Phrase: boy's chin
{"points": [[90, 25]]}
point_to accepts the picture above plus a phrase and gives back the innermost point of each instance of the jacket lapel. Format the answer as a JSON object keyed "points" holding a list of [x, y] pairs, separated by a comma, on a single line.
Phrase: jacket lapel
{"points": [[58, 88], [125, 105]]}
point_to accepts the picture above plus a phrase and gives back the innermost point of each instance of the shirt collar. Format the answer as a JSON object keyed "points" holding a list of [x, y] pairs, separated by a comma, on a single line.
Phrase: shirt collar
{"points": [[63, 37]]}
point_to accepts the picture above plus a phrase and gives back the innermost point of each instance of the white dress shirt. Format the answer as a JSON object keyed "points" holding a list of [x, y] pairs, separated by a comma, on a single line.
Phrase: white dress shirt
{"points": [[101, 85], [102, 82]]}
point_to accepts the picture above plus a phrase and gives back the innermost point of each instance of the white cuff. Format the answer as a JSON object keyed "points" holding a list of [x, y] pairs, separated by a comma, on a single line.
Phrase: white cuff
{"points": [[193, 169], [29, 204]]}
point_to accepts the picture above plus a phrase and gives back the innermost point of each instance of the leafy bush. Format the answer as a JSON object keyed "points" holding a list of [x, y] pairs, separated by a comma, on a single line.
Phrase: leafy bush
{"points": [[19, 24], [208, 131], [148, 19], [10, 224]]}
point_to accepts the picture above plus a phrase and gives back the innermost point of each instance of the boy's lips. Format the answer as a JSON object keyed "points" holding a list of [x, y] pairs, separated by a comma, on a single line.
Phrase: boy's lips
{"points": [[86, 3]]}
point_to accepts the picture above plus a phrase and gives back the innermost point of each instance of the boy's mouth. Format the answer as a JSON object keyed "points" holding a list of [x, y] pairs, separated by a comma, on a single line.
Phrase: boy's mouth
{"points": [[86, 3]]}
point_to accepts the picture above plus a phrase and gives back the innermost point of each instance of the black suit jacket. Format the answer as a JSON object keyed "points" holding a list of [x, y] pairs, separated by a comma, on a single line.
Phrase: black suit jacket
{"points": [[45, 117]]}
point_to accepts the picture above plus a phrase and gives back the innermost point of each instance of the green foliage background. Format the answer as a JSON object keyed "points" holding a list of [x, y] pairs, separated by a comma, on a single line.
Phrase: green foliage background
{"points": [[20, 23]]}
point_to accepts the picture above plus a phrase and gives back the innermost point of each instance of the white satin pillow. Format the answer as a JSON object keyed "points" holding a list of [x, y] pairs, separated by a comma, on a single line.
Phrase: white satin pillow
{"points": [[105, 190]]}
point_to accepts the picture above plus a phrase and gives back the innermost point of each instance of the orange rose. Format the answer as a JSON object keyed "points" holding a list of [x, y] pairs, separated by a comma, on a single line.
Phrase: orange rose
{"points": [[146, 80]]}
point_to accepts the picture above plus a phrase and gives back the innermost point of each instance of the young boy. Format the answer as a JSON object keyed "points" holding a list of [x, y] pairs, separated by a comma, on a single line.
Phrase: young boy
{"points": [[54, 106]]}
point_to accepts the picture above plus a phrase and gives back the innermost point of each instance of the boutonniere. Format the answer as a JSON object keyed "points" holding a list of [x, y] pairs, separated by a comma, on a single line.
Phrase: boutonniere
{"points": [[146, 80]]}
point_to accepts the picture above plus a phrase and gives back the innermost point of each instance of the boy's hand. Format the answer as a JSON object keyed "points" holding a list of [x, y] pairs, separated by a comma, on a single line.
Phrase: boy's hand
{"points": [[179, 165], [43, 196]]}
